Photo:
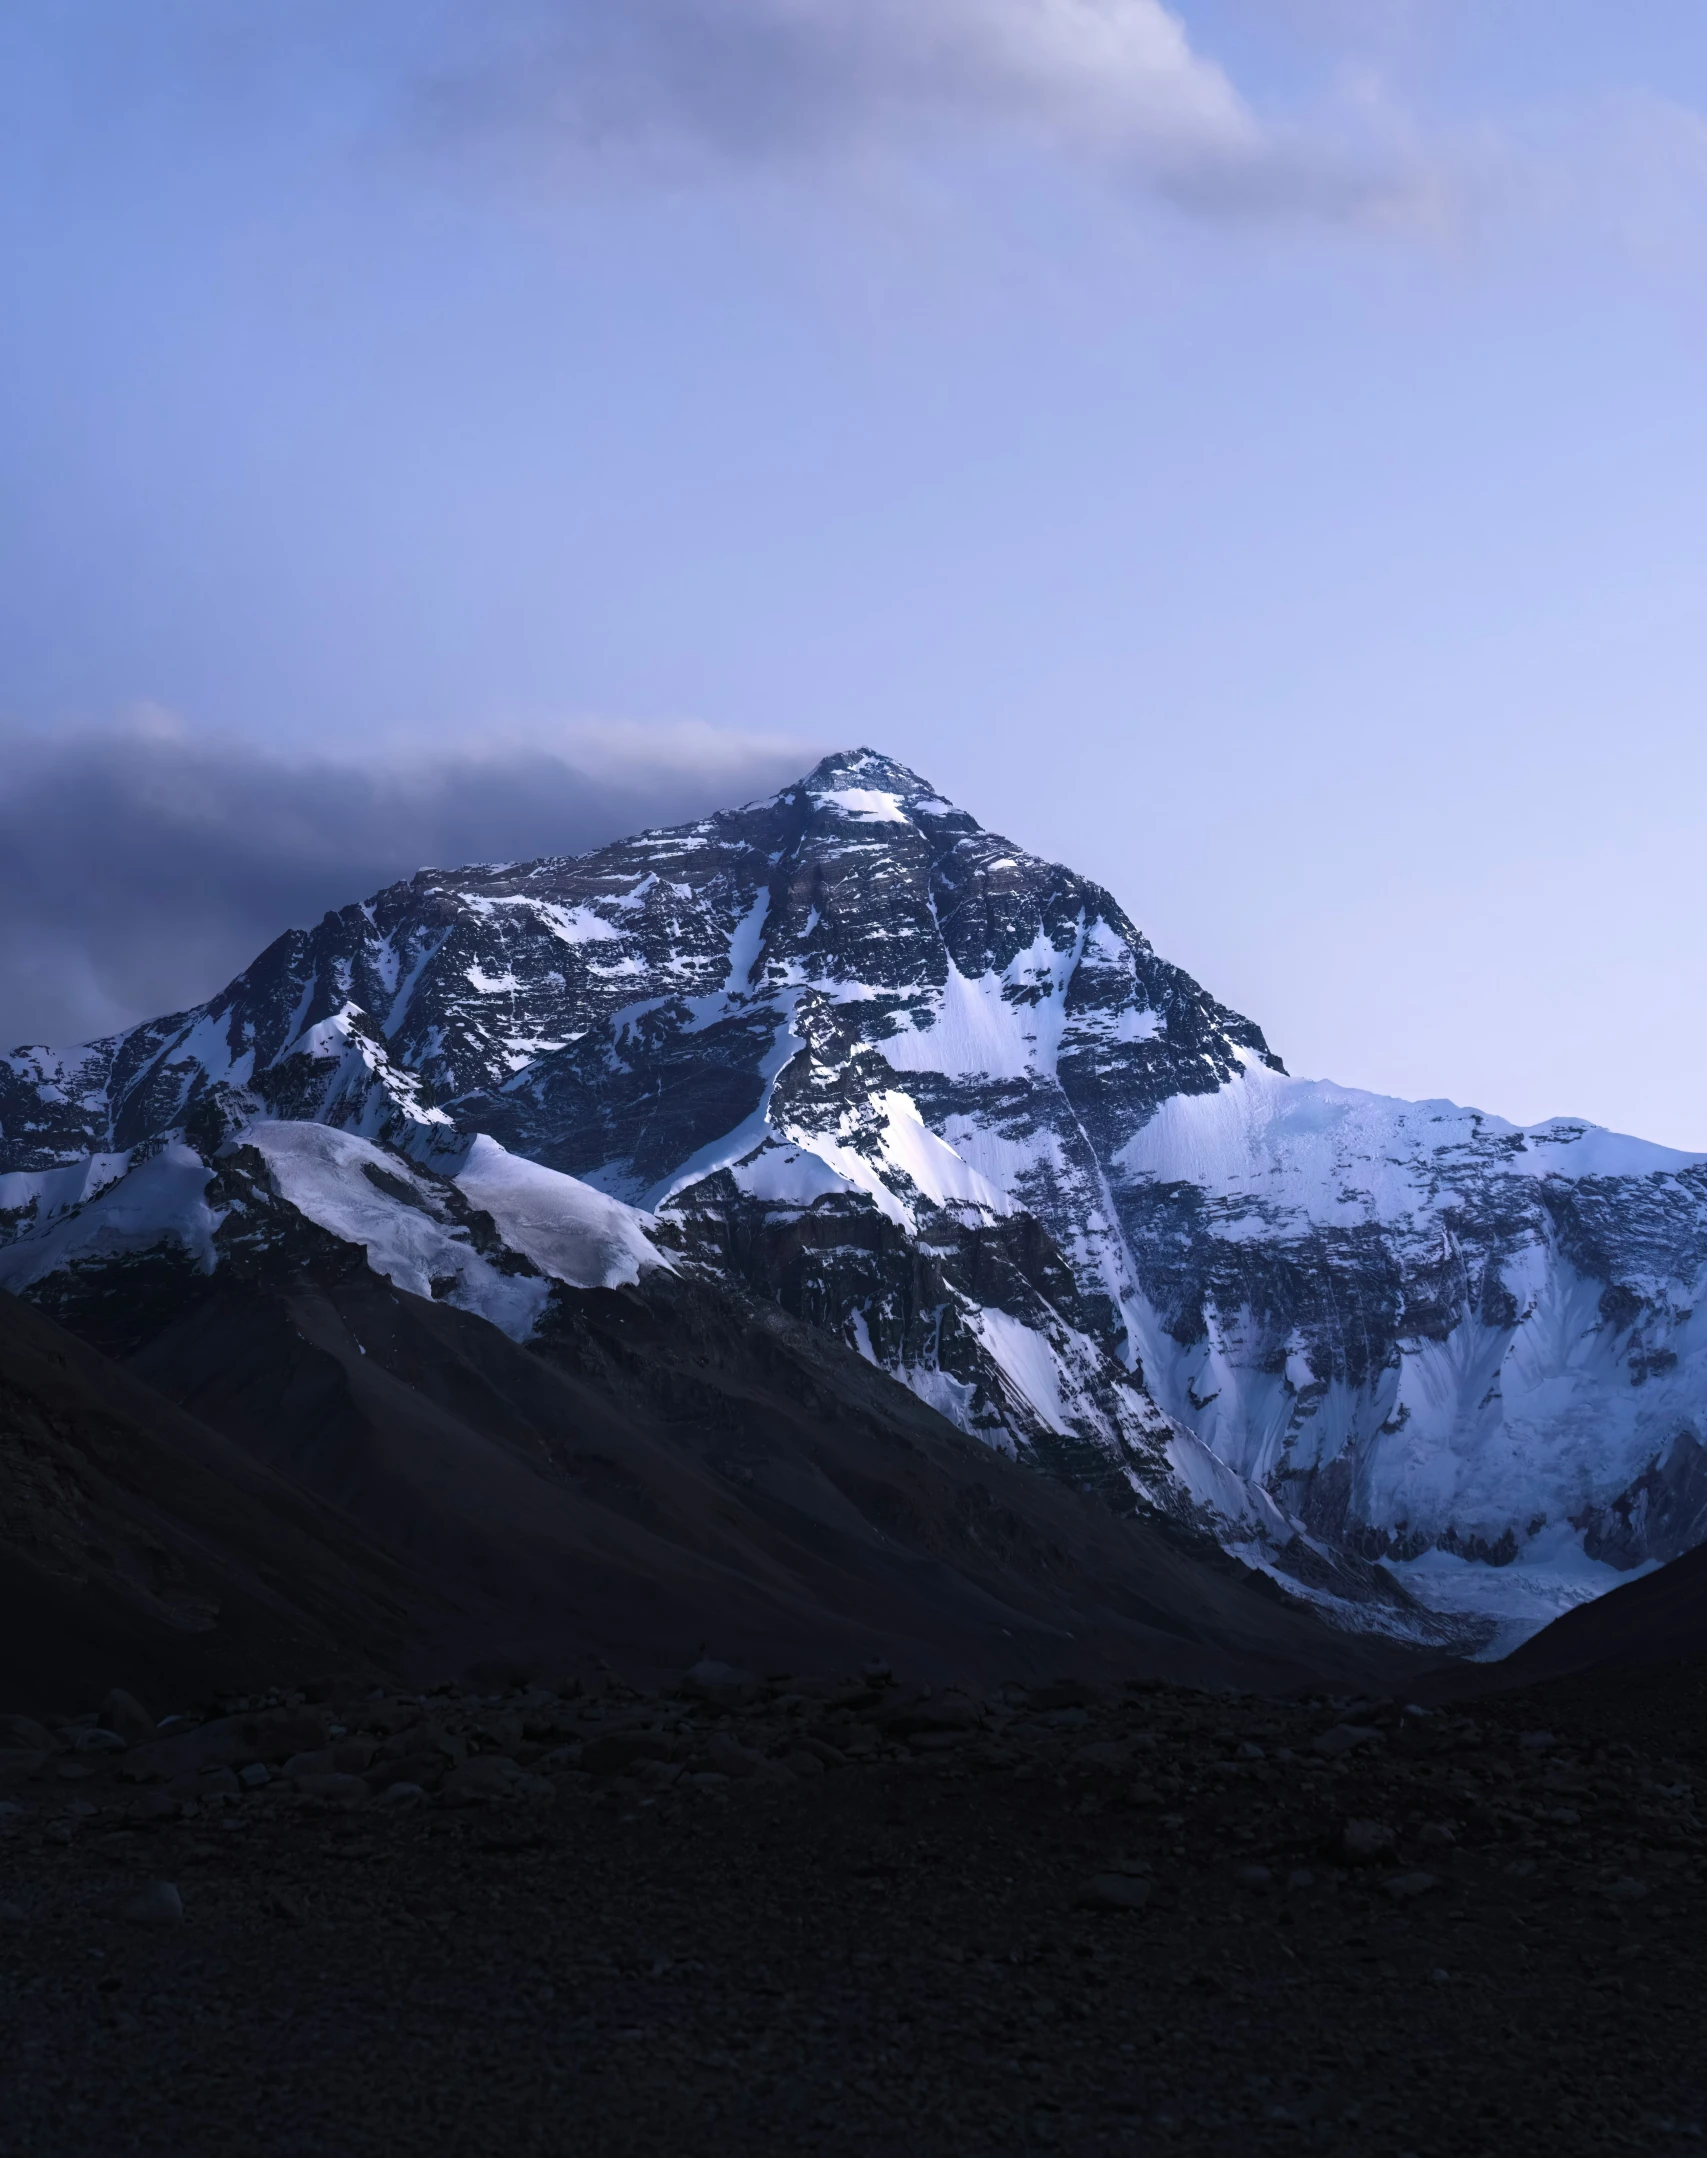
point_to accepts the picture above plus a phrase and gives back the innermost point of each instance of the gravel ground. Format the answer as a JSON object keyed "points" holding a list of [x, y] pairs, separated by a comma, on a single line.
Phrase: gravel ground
{"points": [[849, 1918]]}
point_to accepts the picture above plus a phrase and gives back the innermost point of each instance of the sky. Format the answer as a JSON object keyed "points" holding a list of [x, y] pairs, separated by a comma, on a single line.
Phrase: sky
{"points": [[1251, 450]]}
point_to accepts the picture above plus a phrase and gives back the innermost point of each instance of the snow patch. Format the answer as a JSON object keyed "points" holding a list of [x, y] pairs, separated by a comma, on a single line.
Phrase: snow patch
{"points": [[570, 1231], [323, 1173], [162, 1201]]}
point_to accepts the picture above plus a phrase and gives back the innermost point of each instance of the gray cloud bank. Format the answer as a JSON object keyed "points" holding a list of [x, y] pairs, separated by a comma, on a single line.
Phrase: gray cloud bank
{"points": [[137, 876]]}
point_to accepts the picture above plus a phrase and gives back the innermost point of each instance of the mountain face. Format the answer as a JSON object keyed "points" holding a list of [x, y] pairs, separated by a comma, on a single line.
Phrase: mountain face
{"points": [[877, 1066]]}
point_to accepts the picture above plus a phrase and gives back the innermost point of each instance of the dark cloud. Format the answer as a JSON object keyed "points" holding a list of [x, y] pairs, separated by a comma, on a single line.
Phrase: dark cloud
{"points": [[138, 875]]}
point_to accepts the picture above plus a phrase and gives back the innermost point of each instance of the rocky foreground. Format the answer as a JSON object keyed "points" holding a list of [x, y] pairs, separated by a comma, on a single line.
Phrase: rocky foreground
{"points": [[861, 1916]]}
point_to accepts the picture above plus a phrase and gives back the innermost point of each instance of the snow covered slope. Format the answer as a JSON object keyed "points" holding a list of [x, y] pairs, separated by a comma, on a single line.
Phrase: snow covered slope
{"points": [[942, 1097]]}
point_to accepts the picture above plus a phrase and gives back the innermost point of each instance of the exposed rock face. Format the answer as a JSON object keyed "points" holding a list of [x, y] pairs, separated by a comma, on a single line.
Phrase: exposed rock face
{"points": [[942, 1098]]}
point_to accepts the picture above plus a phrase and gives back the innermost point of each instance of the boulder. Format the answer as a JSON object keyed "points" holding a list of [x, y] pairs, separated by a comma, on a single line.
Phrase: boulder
{"points": [[124, 1713]]}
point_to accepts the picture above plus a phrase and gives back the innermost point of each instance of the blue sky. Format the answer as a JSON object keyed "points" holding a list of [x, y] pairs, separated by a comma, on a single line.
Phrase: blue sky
{"points": [[1254, 451]]}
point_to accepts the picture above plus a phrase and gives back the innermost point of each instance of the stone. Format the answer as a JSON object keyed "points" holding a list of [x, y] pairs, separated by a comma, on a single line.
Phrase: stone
{"points": [[274, 1736], [803, 1763], [730, 1758], [1537, 1741], [612, 1752], [723, 1684], [482, 1775], [1101, 1753], [98, 1741], [319, 1762], [401, 1794], [159, 1904], [1114, 1892], [11, 1914], [1439, 1832], [152, 1807], [1364, 1843], [1253, 1876], [425, 1769], [1344, 1738], [333, 1788], [24, 1734], [255, 1775], [1406, 1887], [216, 1783], [124, 1713], [924, 1714], [19, 1762]]}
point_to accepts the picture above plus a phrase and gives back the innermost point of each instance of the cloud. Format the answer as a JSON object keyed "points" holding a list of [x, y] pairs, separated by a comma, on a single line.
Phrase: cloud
{"points": [[140, 870], [1113, 84]]}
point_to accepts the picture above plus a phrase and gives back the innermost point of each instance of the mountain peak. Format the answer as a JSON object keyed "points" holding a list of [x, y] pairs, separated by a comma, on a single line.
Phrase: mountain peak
{"points": [[873, 789]]}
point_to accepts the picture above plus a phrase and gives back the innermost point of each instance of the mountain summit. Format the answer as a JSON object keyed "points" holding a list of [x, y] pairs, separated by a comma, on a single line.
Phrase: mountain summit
{"points": [[941, 1098]]}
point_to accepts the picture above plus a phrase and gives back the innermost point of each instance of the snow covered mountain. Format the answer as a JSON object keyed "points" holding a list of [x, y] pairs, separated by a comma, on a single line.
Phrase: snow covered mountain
{"points": [[942, 1098]]}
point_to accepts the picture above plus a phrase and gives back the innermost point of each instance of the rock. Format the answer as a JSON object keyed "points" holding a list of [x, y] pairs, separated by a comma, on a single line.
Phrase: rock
{"points": [[152, 1806], [1253, 1876], [1065, 1693], [217, 1783], [1101, 1753], [720, 1683], [333, 1788], [282, 1904], [1365, 1843], [24, 1734], [1343, 1738], [614, 1751], [124, 1713], [18, 1762], [729, 1758], [1439, 1832], [319, 1762], [1406, 1887], [11, 1915], [427, 1771], [159, 1904], [275, 1736], [1300, 1877], [1626, 1889], [934, 1713], [98, 1741], [483, 1775], [255, 1775], [352, 1756], [401, 1794], [1537, 1741], [10, 1810], [803, 1763], [1114, 1892], [936, 1741]]}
